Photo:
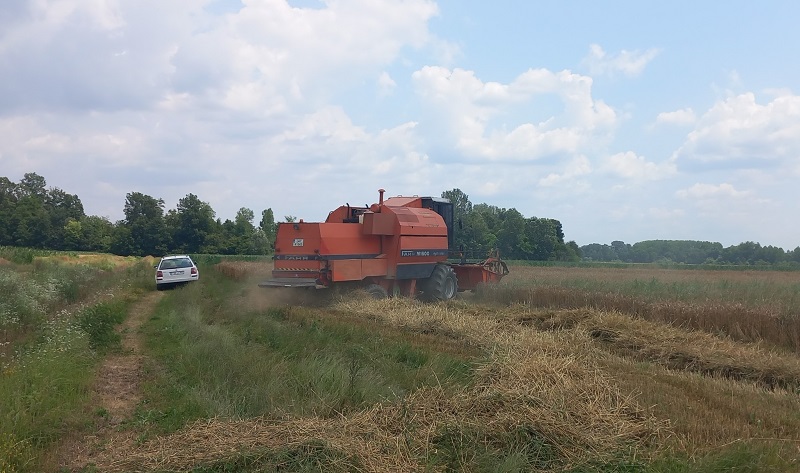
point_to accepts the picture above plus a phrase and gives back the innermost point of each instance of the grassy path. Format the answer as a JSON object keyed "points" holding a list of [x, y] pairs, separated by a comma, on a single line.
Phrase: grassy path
{"points": [[115, 394]]}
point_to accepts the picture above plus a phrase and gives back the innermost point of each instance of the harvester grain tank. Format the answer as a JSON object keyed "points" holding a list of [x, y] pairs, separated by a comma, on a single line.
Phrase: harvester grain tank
{"points": [[399, 246]]}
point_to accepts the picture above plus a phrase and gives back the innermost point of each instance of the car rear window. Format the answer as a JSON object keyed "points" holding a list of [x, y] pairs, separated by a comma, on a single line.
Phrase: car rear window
{"points": [[176, 263]]}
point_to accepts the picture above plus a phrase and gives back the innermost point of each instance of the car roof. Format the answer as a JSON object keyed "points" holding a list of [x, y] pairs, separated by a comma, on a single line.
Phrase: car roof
{"points": [[175, 256]]}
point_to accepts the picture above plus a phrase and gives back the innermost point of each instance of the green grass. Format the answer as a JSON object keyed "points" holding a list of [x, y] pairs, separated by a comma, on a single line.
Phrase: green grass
{"points": [[49, 349], [45, 387], [209, 259], [741, 457], [219, 359], [21, 255], [43, 390], [98, 323]]}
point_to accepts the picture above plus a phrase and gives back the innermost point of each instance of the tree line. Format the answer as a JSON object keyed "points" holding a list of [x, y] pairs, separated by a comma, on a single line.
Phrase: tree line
{"points": [[33, 215], [483, 227], [689, 252]]}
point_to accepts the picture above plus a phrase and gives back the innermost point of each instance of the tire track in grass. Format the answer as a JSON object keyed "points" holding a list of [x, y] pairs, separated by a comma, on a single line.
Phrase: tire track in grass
{"points": [[116, 392]]}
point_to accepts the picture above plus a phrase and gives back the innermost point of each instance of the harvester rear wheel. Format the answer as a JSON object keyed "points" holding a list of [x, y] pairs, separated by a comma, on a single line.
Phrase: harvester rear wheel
{"points": [[377, 291], [441, 286]]}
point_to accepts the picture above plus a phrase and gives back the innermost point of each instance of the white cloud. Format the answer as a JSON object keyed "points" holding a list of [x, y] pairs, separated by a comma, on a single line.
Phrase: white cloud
{"points": [[120, 96], [112, 55], [628, 63], [684, 116], [465, 106], [725, 203], [631, 166], [386, 84], [741, 132], [578, 167], [709, 191], [266, 102], [661, 213]]}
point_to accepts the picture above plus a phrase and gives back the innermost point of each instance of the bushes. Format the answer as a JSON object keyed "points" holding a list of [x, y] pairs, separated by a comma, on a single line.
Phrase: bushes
{"points": [[98, 323]]}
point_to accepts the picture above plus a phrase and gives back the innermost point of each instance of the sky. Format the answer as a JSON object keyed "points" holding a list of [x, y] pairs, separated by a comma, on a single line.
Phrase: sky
{"points": [[625, 120]]}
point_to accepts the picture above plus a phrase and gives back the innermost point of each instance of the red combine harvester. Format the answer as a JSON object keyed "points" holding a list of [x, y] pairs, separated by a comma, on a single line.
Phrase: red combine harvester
{"points": [[397, 246]]}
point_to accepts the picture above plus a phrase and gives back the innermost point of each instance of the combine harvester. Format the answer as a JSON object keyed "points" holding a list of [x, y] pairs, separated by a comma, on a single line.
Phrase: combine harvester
{"points": [[399, 246]]}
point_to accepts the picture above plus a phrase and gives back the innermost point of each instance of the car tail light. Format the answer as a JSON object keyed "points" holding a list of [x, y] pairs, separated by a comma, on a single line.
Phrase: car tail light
{"points": [[194, 270], [159, 275]]}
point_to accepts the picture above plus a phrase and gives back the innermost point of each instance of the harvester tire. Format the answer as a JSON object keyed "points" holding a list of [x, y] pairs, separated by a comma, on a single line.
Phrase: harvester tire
{"points": [[441, 286], [377, 291]]}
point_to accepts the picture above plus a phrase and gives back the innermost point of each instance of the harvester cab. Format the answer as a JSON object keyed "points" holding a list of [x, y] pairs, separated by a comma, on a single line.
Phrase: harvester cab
{"points": [[398, 246]]}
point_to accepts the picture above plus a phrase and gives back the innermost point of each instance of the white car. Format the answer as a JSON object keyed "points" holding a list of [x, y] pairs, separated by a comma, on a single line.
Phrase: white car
{"points": [[175, 270]]}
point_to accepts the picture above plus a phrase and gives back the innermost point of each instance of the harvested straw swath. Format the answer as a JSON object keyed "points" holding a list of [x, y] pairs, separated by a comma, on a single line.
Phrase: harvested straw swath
{"points": [[539, 383]]}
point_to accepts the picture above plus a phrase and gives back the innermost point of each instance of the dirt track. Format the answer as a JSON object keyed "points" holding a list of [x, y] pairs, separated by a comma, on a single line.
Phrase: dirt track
{"points": [[115, 393]]}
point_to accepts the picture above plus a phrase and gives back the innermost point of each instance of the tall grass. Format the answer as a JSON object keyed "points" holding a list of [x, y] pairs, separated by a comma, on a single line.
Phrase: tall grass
{"points": [[225, 356], [21, 255], [211, 259], [746, 306], [57, 316], [46, 383], [665, 264], [33, 292], [30, 293]]}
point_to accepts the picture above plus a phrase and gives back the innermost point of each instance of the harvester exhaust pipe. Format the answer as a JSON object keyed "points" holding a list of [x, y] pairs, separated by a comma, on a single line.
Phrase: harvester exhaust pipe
{"points": [[380, 196]]}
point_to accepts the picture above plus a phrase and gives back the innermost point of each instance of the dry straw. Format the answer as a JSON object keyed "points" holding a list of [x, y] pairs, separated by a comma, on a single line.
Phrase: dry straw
{"points": [[766, 322], [534, 382]]}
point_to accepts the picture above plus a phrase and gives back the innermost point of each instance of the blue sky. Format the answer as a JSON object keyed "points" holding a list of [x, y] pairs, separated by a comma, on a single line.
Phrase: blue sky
{"points": [[624, 120]]}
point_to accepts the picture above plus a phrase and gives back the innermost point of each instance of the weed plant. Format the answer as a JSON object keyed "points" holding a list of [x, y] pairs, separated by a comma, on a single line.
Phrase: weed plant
{"points": [[211, 259], [41, 390], [22, 255], [98, 323], [31, 293], [224, 358], [44, 386], [51, 337]]}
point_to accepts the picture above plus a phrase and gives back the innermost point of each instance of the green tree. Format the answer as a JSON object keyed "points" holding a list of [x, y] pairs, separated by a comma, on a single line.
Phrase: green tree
{"points": [[462, 208], [574, 251], [8, 204], [461, 204], [73, 235], [793, 255], [621, 249], [248, 242], [542, 238], [33, 185], [143, 232], [476, 236], [61, 207], [244, 221], [512, 238], [195, 224], [31, 222], [268, 226], [260, 244], [96, 233]]}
